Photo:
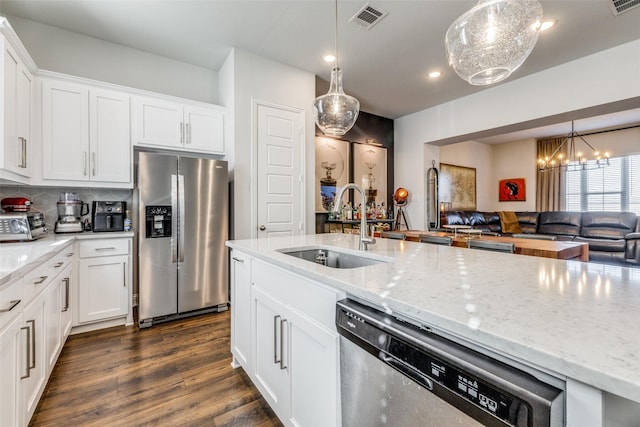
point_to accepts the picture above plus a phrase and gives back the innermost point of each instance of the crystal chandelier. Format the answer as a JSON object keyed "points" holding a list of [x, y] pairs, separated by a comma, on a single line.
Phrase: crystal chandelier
{"points": [[491, 40], [336, 112], [566, 157]]}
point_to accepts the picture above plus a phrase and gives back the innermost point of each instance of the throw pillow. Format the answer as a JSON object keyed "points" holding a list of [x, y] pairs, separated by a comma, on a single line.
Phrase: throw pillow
{"points": [[509, 222]]}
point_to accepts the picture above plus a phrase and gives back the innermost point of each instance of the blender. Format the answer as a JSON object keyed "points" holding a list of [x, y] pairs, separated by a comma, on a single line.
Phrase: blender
{"points": [[70, 210]]}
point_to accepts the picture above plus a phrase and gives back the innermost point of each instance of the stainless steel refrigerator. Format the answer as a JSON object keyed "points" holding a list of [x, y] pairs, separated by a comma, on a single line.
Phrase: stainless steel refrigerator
{"points": [[182, 223]]}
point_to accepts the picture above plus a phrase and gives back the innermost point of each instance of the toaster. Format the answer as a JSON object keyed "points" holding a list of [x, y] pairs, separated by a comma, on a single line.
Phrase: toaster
{"points": [[17, 226]]}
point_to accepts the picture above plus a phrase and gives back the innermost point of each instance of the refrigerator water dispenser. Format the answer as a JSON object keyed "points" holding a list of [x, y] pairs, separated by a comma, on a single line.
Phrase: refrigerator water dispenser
{"points": [[158, 221]]}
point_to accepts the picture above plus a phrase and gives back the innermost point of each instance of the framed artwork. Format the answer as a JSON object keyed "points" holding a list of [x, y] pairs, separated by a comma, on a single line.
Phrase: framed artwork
{"points": [[512, 190], [458, 186], [332, 170], [370, 171]]}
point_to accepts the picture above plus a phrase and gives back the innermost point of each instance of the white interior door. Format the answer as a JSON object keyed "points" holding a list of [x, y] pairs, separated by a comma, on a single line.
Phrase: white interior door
{"points": [[280, 141]]}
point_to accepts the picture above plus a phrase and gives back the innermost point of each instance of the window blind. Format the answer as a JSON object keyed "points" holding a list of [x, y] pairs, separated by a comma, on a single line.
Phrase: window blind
{"points": [[612, 188]]}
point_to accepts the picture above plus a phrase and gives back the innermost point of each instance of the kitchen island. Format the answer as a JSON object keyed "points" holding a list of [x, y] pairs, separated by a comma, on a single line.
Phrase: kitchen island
{"points": [[574, 320]]}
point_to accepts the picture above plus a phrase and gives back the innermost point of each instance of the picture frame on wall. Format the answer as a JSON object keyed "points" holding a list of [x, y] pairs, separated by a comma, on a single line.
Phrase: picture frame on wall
{"points": [[457, 185], [331, 170], [370, 171], [512, 190]]}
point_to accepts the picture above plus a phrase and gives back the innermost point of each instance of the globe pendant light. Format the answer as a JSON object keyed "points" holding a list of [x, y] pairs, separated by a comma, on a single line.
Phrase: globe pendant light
{"points": [[490, 41], [336, 112]]}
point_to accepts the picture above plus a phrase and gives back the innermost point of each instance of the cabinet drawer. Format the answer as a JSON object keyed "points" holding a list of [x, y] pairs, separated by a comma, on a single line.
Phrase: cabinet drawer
{"points": [[37, 280], [11, 301], [313, 299], [61, 260], [104, 247]]}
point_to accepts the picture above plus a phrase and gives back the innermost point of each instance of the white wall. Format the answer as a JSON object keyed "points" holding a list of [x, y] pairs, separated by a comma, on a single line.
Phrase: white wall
{"points": [[576, 85], [261, 79], [514, 160], [66, 52]]}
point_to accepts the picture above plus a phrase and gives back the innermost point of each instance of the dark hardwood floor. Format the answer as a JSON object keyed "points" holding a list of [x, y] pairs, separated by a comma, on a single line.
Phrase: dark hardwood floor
{"points": [[173, 374]]}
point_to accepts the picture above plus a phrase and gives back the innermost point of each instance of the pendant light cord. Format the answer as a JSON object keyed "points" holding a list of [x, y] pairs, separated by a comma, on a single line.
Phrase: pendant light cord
{"points": [[337, 66]]}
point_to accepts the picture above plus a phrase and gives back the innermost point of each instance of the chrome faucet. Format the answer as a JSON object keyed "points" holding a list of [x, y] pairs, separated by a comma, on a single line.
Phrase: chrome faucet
{"points": [[364, 239]]}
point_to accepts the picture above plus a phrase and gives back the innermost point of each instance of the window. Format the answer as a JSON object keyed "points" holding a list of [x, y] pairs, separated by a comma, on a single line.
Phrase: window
{"points": [[611, 188]]}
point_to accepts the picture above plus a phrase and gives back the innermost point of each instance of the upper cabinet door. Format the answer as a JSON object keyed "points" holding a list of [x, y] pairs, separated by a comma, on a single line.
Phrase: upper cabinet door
{"points": [[65, 131], [204, 129], [158, 123], [109, 136], [17, 93]]}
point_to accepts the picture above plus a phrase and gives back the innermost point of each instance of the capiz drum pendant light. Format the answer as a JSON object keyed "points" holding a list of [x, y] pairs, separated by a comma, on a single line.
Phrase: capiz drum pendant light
{"points": [[336, 112], [490, 41]]}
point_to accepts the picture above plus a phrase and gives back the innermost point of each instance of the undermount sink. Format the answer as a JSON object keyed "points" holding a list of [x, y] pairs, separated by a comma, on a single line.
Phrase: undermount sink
{"points": [[331, 257]]}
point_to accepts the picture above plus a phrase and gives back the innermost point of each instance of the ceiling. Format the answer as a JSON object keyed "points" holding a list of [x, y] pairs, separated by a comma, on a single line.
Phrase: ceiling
{"points": [[385, 68]]}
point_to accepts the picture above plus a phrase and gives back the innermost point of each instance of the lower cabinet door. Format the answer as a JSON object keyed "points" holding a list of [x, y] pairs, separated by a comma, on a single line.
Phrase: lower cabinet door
{"points": [[313, 364], [241, 309], [13, 367], [270, 369], [66, 311], [33, 352], [102, 291], [52, 332]]}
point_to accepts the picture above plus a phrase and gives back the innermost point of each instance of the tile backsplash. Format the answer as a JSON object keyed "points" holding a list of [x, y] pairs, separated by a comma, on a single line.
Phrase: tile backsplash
{"points": [[43, 199]]}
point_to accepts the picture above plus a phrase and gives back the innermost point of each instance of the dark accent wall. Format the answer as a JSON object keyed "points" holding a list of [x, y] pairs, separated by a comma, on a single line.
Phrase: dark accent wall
{"points": [[372, 127]]}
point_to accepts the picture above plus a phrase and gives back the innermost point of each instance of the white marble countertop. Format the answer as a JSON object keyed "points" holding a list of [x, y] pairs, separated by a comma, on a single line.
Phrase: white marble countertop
{"points": [[577, 320], [17, 259]]}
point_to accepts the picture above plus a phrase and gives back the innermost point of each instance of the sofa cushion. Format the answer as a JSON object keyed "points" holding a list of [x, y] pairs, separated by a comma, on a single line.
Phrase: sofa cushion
{"points": [[493, 222], [560, 223], [607, 225], [509, 222], [476, 219], [455, 218], [605, 245], [528, 221]]}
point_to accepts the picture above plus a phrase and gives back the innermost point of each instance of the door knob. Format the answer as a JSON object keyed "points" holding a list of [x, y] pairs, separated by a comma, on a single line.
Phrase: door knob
{"points": [[262, 228]]}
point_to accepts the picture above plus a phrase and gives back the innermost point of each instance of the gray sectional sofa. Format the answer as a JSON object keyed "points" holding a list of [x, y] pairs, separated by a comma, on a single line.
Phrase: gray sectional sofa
{"points": [[613, 237]]}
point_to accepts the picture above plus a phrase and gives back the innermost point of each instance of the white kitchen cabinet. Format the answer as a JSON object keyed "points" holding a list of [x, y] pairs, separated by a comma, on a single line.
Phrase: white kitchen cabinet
{"points": [[168, 124], [295, 346], [85, 133], [16, 101], [103, 286], [12, 338], [57, 317], [241, 304], [33, 352]]}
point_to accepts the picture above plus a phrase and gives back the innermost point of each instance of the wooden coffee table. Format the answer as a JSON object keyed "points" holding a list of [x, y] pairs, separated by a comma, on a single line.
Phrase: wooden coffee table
{"points": [[543, 248]]}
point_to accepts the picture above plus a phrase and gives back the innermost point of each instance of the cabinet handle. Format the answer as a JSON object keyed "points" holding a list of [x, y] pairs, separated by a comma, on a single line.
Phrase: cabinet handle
{"points": [[33, 344], [84, 163], [70, 254], [110, 248], [241, 261], [282, 365], [187, 133], [27, 353], [275, 339], [66, 294], [124, 275], [181, 134], [93, 163], [23, 154], [42, 279], [12, 305], [58, 264]]}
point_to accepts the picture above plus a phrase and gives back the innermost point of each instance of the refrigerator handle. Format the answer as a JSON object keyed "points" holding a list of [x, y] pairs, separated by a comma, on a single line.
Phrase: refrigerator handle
{"points": [[174, 206], [181, 215]]}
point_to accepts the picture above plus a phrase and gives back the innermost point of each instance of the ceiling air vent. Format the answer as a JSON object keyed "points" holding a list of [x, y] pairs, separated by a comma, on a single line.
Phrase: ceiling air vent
{"points": [[620, 6], [368, 16]]}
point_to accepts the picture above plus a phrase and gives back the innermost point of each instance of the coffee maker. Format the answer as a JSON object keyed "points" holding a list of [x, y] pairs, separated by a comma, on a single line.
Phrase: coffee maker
{"points": [[70, 210]]}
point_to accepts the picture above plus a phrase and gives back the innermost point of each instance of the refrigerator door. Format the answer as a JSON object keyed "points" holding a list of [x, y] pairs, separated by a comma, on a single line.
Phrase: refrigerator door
{"points": [[203, 225], [157, 235]]}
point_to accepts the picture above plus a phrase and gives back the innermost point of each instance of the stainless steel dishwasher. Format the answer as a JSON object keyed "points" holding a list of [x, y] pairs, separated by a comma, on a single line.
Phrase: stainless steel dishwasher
{"points": [[394, 373]]}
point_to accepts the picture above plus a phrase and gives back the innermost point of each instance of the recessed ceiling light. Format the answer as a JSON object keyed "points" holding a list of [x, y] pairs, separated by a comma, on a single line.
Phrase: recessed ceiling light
{"points": [[548, 24], [435, 74], [329, 58]]}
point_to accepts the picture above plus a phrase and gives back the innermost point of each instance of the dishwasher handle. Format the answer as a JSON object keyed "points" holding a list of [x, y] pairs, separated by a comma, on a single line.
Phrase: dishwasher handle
{"points": [[408, 370]]}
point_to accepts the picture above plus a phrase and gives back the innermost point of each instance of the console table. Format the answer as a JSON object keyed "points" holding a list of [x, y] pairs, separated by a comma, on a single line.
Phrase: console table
{"points": [[351, 223]]}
